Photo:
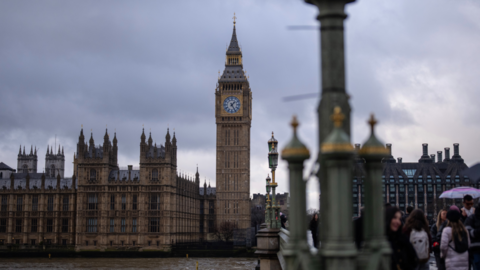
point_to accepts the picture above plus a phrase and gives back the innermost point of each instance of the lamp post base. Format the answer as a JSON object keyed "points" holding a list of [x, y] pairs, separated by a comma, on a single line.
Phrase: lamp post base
{"points": [[267, 248]]}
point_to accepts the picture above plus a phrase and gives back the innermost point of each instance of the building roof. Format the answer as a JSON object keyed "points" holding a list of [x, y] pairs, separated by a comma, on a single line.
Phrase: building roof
{"points": [[122, 175], [5, 167], [21, 183], [233, 48]]}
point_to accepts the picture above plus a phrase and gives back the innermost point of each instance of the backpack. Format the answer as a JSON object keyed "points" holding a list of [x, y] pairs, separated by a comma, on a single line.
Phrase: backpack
{"points": [[419, 240], [460, 246]]}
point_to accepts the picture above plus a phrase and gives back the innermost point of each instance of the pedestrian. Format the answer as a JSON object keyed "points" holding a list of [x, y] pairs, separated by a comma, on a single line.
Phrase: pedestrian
{"points": [[283, 220], [314, 229], [467, 209], [358, 229], [455, 242], [441, 218], [403, 255], [417, 230], [472, 224]]}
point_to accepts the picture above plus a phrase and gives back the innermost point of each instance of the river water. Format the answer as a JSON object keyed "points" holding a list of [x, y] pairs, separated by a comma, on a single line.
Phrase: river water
{"points": [[130, 263]]}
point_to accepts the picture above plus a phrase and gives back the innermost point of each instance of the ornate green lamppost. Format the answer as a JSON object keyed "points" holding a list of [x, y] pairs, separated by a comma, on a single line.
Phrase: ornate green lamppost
{"points": [[376, 251], [267, 202], [273, 163]]}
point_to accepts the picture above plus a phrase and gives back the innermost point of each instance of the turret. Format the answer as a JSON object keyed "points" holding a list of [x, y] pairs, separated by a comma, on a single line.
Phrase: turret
{"points": [[197, 177], [150, 141]]}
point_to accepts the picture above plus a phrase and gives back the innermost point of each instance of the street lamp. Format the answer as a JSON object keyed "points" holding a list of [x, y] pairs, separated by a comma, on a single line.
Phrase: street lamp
{"points": [[272, 164], [267, 202]]}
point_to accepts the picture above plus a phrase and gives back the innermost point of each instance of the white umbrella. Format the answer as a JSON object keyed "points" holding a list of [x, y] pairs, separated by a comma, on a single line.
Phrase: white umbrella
{"points": [[460, 192]]}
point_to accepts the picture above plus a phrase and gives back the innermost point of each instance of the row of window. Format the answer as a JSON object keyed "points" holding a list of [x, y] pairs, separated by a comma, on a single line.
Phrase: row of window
{"points": [[34, 225], [33, 241], [121, 243], [154, 202], [419, 180], [20, 202], [153, 225]]}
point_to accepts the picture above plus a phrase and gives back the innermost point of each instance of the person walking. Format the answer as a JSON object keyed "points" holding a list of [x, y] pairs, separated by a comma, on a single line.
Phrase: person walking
{"points": [[467, 209], [314, 228], [472, 224], [455, 242], [417, 230], [441, 218], [403, 256]]}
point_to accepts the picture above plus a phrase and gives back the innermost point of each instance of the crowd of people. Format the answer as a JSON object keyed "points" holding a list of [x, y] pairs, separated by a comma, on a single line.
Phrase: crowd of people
{"points": [[454, 238]]}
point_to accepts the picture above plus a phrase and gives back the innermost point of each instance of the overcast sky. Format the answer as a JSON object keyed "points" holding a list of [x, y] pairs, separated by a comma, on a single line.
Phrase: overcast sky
{"points": [[125, 64]]}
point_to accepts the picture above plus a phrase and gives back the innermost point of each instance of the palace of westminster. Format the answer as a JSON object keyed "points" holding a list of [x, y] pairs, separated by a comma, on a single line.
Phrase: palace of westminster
{"points": [[153, 207]]}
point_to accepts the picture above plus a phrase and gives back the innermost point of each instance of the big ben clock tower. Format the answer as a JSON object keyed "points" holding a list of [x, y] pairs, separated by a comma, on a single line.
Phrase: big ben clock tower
{"points": [[233, 116]]}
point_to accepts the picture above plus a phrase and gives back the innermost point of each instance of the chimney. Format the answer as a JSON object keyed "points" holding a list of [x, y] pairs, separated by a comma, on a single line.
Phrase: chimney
{"points": [[456, 151], [130, 172], [425, 149], [432, 156], [130, 167], [399, 160], [389, 147], [439, 156], [447, 153]]}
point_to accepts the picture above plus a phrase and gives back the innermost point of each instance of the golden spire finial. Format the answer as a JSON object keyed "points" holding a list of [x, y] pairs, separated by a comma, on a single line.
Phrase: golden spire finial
{"points": [[272, 134], [82, 125], [294, 124], [234, 18], [337, 116], [372, 122]]}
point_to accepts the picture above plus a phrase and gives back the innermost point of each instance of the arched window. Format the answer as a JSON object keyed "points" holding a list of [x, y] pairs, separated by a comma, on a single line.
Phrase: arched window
{"points": [[1, 175], [154, 175], [93, 175], [52, 171], [25, 168]]}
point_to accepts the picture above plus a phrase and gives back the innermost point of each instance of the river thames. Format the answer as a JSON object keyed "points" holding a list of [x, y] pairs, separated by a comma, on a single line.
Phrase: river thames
{"points": [[130, 263]]}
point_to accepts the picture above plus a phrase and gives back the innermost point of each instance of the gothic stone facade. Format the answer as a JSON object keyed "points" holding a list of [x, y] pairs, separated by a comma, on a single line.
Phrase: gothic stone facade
{"points": [[37, 208], [150, 208]]}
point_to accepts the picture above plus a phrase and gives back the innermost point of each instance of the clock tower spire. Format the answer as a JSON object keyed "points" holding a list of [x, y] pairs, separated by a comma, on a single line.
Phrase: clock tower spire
{"points": [[233, 117]]}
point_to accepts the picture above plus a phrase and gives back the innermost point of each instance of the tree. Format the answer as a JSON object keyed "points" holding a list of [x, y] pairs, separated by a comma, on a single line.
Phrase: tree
{"points": [[258, 215], [224, 232]]}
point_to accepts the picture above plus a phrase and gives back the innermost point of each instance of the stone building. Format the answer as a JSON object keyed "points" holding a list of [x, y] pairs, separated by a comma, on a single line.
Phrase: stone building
{"points": [[233, 117], [416, 183], [150, 207], [36, 207], [105, 206]]}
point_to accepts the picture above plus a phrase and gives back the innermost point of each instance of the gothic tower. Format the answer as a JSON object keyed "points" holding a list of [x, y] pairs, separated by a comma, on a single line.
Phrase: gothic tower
{"points": [[27, 163], [54, 163], [233, 116]]}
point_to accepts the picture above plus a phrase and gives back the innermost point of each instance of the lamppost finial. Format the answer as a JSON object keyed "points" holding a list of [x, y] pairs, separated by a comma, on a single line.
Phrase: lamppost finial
{"points": [[372, 122], [337, 116]]}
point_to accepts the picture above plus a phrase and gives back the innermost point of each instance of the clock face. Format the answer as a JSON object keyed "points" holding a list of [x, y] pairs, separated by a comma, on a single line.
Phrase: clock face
{"points": [[231, 104]]}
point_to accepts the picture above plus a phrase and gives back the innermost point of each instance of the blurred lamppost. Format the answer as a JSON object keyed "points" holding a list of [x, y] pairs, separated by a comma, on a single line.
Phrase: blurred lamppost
{"points": [[267, 203], [273, 163]]}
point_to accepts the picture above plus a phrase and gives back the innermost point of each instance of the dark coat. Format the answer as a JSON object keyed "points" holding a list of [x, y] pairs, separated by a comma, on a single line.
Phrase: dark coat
{"points": [[358, 230], [472, 224], [404, 256], [433, 233], [313, 227]]}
